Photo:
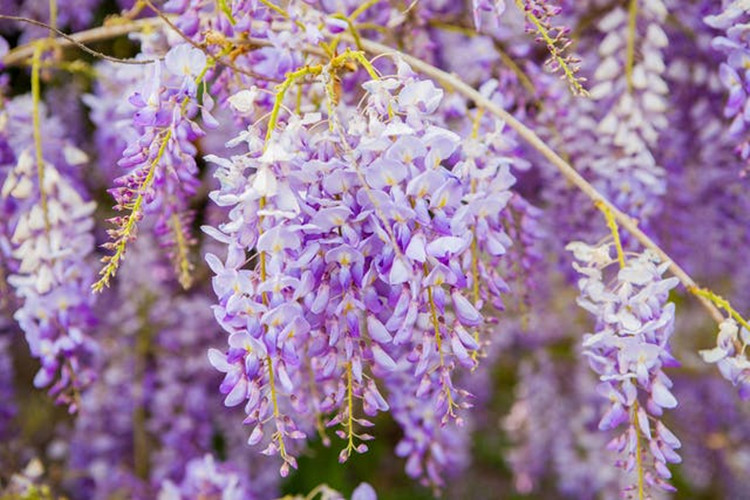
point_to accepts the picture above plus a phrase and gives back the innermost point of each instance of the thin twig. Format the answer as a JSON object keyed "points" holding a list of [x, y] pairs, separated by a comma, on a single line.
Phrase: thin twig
{"points": [[22, 53]]}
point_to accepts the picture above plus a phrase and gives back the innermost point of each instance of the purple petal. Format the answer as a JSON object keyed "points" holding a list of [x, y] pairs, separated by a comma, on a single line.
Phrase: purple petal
{"points": [[237, 394], [399, 272], [377, 331], [662, 396], [382, 358], [218, 360], [465, 312], [446, 246], [364, 492]]}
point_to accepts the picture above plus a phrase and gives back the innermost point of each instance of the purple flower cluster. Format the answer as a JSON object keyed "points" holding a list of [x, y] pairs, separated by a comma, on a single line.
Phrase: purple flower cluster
{"points": [[48, 239], [376, 241], [539, 21], [435, 452], [549, 392], [145, 426], [629, 350], [365, 242], [729, 355], [163, 172], [205, 478], [733, 22], [633, 94]]}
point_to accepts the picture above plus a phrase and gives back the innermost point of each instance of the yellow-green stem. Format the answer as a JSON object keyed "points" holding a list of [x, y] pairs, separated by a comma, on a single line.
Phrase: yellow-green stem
{"points": [[275, 403], [52, 16], [435, 324], [350, 404], [630, 47], [352, 29], [721, 302], [638, 453], [554, 51], [281, 90], [612, 225], [475, 248], [224, 7], [477, 123], [36, 94], [275, 8], [183, 262], [362, 8], [439, 343], [113, 263]]}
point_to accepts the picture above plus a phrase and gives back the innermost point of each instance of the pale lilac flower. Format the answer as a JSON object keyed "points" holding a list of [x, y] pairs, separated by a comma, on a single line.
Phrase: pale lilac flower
{"points": [[629, 350]]}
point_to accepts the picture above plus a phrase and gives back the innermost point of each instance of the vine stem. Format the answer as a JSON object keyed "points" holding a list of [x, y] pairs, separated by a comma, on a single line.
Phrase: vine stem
{"points": [[451, 82], [639, 454], [630, 47], [570, 74], [36, 120]]}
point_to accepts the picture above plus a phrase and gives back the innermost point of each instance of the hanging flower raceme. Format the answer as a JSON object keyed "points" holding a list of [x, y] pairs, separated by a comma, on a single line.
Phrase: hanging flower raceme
{"points": [[365, 234], [51, 238], [733, 21], [46, 237], [629, 85], [629, 350], [729, 355], [156, 382], [550, 391], [205, 478], [434, 450], [540, 20], [163, 173]]}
